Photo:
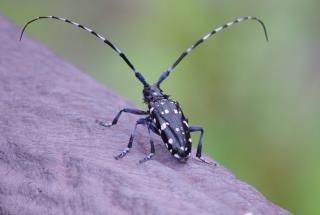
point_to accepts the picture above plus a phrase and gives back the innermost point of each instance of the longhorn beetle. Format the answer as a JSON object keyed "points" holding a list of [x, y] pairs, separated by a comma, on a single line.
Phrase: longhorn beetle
{"points": [[164, 116]]}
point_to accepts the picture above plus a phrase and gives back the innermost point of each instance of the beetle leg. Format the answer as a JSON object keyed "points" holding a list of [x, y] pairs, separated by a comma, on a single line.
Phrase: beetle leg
{"points": [[152, 126], [126, 110], [151, 154], [199, 148], [126, 150]]}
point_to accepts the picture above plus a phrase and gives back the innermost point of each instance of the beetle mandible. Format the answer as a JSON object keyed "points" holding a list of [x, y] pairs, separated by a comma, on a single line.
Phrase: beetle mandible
{"points": [[164, 116]]}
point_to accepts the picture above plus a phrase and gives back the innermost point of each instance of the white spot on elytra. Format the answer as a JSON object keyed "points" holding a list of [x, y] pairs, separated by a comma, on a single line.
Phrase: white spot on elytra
{"points": [[190, 141], [175, 111], [166, 111], [154, 120], [167, 123], [177, 129], [159, 131], [186, 148], [161, 103], [170, 150], [170, 140], [176, 155], [151, 109], [167, 145], [163, 126], [181, 147], [162, 112], [185, 122]]}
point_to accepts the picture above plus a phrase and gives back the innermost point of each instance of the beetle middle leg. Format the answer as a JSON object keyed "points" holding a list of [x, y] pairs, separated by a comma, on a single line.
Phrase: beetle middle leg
{"points": [[141, 121], [152, 151], [116, 118], [199, 148]]}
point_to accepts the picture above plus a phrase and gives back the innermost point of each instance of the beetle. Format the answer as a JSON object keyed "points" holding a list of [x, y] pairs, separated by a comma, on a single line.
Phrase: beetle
{"points": [[164, 116]]}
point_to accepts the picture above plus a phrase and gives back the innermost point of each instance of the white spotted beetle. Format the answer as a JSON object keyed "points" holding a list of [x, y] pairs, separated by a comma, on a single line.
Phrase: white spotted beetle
{"points": [[164, 117]]}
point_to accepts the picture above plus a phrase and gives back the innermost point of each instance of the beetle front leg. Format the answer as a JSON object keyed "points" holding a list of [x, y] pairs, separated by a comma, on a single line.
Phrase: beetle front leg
{"points": [[199, 148], [125, 110], [133, 133]]}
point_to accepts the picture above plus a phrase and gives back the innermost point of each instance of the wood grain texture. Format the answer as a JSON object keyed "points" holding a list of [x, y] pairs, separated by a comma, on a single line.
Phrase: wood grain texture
{"points": [[54, 158]]}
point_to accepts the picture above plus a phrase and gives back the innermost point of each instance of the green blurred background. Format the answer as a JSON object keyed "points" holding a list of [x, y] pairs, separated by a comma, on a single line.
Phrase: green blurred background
{"points": [[258, 102]]}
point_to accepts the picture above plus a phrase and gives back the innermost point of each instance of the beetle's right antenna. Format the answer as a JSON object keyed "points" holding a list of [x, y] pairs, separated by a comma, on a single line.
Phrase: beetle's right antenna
{"points": [[106, 41], [216, 30]]}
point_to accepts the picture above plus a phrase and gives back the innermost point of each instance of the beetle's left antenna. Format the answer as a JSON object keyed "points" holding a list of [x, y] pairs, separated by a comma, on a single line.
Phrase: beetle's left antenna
{"points": [[216, 30], [106, 41]]}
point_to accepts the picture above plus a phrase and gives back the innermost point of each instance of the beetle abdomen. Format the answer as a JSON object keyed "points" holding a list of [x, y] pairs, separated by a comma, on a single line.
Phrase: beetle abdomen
{"points": [[172, 127]]}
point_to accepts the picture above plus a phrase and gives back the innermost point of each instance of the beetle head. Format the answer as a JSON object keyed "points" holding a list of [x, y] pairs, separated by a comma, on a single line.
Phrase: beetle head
{"points": [[153, 93]]}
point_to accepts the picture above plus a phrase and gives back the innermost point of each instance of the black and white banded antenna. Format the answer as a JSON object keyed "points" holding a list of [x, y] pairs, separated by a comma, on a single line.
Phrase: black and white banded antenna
{"points": [[106, 41], [216, 30]]}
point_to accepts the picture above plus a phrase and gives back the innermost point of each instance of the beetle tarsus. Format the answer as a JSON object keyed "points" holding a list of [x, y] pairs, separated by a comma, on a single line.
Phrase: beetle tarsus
{"points": [[206, 162], [146, 158], [104, 124], [122, 154]]}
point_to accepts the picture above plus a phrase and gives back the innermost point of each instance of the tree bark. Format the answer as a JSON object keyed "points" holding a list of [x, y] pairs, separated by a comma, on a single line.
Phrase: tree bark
{"points": [[55, 159]]}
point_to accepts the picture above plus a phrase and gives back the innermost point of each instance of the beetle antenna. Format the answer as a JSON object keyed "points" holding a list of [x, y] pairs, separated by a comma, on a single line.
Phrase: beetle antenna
{"points": [[106, 41], [216, 30]]}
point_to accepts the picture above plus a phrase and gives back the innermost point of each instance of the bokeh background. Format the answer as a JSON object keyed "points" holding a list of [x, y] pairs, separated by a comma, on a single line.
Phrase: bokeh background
{"points": [[259, 102]]}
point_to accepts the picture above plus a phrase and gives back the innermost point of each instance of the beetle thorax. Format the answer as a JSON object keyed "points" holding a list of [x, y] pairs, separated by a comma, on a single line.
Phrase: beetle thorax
{"points": [[153, 93]]}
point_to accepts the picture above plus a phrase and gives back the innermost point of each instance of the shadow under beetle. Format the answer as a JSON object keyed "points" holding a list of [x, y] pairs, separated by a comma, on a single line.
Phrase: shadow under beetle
{"points": [[164, 116]]}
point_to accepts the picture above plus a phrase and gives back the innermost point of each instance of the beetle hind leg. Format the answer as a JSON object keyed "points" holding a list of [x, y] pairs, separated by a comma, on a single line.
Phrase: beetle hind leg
{"points": [[205, 161], [199, 148]]}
